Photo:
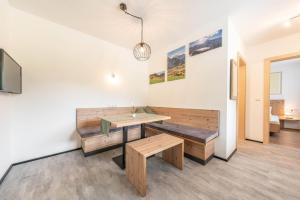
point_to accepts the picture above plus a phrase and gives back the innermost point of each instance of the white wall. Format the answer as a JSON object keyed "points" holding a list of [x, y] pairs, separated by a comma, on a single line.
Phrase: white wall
{"points": [[5, 99], [206, 85], [255, 61], [62, 70], [290, 88], [235, 47]]}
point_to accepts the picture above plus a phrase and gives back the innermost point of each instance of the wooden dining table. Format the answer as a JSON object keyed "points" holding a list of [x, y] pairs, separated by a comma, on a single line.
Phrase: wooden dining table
{"points": [[126, 120]]}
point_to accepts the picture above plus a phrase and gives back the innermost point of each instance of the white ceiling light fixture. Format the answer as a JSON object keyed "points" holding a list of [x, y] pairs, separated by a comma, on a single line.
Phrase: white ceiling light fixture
{"points": [[142, 51]]}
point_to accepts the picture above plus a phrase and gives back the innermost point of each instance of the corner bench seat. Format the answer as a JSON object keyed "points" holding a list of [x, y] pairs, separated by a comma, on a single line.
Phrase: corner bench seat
{"points": [[93, 141], [199, 143], [197, 127], [196, 134], [87, 132], [88, 122]]}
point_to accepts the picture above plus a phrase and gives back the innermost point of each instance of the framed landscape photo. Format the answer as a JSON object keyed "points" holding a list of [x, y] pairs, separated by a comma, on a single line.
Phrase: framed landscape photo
{"points": [[158, 77], [233, 80], [176, 64], [206, 43]]}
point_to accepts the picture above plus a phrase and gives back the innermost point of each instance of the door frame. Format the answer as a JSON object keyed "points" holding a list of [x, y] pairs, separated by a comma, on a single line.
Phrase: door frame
{"points": [[266, 97], [241, 63]]}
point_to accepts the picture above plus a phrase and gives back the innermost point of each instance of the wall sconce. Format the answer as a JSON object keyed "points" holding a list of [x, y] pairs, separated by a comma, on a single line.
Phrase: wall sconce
{"points": [[287, 24], [113, 79]]}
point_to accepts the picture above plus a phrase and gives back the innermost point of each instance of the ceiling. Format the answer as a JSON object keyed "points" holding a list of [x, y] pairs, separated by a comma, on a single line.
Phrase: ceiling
{"points": [[166, 21]]}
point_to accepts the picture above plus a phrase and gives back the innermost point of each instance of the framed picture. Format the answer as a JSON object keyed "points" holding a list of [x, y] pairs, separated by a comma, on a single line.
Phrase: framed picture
{"points": [[275, 83], [176, 64], [158, 77], [233, 80], [207, 43]]}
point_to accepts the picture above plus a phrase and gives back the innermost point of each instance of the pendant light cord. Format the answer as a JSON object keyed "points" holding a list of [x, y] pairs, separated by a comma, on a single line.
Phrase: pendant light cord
{"points": [[142, 24], [142, 50]]}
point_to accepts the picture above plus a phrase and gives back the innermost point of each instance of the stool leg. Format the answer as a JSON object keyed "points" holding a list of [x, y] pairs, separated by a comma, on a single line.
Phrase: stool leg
{"points": [[175, 156], [136, 170]]}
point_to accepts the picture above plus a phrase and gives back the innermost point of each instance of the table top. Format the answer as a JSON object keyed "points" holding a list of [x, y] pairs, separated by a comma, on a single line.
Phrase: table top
{"points": [[155, 144], [289, 118], [118, 121]]}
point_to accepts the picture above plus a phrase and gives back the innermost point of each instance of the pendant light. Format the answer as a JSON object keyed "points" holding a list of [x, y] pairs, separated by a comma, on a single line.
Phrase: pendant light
{"points": [[142, 50]]}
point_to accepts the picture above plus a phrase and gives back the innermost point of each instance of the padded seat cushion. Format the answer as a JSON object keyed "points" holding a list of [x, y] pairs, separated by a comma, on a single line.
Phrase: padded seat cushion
{"points": [[197, 134]]}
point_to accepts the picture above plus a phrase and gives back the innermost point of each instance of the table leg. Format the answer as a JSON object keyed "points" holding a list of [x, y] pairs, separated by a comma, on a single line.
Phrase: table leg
{"points": [[143, 133], [282, 124], [120, 160]]}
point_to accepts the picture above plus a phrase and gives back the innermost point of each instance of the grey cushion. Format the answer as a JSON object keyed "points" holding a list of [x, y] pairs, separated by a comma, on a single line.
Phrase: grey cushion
{"points": [[197, 134]]}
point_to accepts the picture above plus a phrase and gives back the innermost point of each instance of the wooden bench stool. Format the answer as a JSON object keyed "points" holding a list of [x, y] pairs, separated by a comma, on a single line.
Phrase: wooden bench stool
{"points": [[137, 152]]}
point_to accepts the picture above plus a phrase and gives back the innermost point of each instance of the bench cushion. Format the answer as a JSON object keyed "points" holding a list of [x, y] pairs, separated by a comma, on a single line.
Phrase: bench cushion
{"points": [[197, 134]]}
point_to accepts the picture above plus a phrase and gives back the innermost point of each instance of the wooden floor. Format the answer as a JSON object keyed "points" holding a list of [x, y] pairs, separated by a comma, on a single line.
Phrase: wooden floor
{"points": [[256, 171], [286, 137]]}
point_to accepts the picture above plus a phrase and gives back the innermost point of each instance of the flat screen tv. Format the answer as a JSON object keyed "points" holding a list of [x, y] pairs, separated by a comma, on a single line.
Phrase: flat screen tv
{"points": [[10, 74]]}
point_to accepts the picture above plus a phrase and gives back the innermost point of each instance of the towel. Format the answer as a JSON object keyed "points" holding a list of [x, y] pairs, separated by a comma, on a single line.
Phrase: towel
{"points": [[105, 126]]}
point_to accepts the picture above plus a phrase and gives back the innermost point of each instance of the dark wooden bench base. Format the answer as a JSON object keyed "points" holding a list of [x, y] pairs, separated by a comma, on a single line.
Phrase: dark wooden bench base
{"points": [[198, 160]]}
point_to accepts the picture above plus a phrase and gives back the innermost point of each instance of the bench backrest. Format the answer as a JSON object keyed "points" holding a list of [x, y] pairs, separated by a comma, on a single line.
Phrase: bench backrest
{"points": [[198, 118], [91, 117], [277, 107]]}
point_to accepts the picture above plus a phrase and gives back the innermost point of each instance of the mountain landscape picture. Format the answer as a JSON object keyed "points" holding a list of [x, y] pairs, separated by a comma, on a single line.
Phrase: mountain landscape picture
{"points": [[176, 64], [207, 43], [157, 77]]}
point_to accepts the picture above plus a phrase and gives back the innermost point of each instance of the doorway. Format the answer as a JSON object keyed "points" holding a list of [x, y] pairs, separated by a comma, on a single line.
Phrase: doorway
{"points": [[241, 99], [266, 101]]}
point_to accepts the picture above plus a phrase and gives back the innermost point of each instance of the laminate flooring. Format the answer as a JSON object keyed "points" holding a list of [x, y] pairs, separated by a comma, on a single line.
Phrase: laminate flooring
{"points": [[256, 171], [286, 137]]}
